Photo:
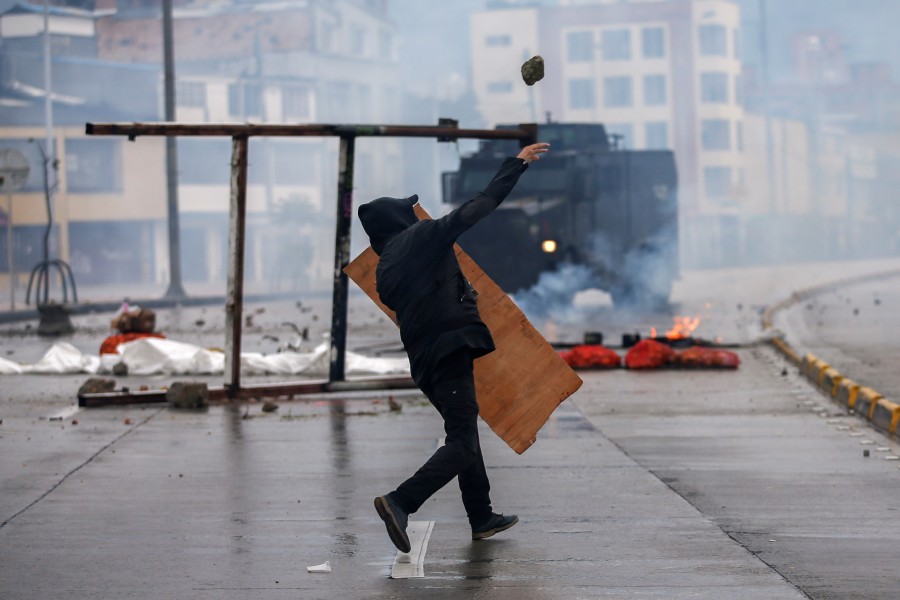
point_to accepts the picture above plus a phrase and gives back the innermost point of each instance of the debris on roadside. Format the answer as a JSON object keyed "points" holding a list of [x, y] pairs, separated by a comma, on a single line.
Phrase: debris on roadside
{"points": [[393, 404], [188, 395], [591, 356], [97, 385], [269, 406]]}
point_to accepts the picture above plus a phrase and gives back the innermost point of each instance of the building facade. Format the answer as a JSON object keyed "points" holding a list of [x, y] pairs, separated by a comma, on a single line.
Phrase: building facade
{"points": [[658, 74], [295, 61]]}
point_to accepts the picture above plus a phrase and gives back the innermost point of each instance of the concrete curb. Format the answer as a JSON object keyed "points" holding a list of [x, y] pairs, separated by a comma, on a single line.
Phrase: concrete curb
{"points": [[881, 413]]}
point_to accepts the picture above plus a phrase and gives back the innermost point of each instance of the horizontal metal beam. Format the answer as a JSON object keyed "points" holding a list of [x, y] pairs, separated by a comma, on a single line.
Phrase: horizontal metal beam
{"points": [[264, 390], [526, 132]]}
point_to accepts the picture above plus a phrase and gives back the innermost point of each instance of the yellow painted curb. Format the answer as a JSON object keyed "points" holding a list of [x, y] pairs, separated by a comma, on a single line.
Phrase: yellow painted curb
{"points": [[847, 390], [806, 365], [866, 400], [886, 415], [820, 375], [830, 380]]}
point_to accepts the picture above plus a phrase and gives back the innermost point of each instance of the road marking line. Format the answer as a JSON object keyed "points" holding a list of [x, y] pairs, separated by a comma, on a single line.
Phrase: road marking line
{"points": [[63, 414], [412, 564]]}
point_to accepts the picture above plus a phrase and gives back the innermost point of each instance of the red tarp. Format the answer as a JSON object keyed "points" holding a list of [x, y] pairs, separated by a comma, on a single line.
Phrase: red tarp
{"points": [[110, 344], [591, 357], [649, 354]]}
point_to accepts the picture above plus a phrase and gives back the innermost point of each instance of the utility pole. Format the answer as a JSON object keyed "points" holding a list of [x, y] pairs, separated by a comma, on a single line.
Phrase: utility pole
{"points": [[176, 290]]}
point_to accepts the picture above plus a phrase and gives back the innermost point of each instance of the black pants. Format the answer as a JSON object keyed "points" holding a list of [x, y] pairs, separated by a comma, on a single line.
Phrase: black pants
{"points": [[452, 392]]}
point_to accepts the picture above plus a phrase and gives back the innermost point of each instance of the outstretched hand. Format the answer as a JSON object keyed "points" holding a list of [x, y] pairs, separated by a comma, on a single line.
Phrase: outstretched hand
{"points": [[533, 152]]}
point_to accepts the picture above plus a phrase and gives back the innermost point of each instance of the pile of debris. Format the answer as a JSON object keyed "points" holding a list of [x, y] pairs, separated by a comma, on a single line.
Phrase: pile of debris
{"points": [[650, 354], [677, 348]]}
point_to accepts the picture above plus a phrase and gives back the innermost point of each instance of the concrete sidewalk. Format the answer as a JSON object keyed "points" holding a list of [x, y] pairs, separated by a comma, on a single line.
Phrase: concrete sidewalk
{"points": [[215, 505]]}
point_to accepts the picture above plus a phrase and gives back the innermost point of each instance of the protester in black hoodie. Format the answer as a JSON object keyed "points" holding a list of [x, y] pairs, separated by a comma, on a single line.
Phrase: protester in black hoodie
{"points": [[419, 278]]}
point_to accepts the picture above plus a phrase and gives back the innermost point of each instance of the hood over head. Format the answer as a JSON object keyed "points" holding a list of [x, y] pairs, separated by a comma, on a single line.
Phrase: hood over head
{"points": [[386, 217]]}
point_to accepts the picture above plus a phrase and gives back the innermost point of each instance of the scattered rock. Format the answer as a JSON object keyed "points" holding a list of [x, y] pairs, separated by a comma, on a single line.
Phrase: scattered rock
{"points": [[248, 321], [856, 311], [394, 404], [120, 369], [533, 70], [260, 310], [127, 421], [188, 395], [200, 322], [74, 421], [269, 406], [97, 385]]}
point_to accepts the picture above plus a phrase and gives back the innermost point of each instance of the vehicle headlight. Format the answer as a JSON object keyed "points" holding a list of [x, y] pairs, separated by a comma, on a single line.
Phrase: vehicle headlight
{"points": [[548, 246]]}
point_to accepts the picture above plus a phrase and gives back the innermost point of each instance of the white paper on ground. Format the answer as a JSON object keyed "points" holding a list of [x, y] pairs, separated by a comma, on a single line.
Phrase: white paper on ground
{"points": [[8, 367], [63, 357], [325, 567], [412, 564], [151, 356]]}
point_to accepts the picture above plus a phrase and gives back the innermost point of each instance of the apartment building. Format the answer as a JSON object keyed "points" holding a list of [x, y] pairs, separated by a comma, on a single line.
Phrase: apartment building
{"points": [[296, 61], [657, 73]]}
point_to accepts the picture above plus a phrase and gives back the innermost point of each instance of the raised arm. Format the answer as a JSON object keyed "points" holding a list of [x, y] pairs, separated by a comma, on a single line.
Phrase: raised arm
{"points": [[452, 225]]}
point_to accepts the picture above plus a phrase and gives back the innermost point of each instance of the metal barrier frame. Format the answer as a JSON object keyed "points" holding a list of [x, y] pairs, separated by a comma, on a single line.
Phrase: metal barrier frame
{"points": [[240, 134]]}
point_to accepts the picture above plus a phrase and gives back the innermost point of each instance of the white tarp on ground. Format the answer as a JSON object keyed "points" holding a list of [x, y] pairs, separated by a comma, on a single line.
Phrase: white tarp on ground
{"points": [[151, 356]]}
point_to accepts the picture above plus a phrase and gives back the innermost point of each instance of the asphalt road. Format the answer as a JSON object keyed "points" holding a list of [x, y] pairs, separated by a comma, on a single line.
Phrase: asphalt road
{"points": [[672, 484]]}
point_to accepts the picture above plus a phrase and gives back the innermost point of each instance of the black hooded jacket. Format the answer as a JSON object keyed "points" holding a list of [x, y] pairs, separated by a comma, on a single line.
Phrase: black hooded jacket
{"points": [[419, 278]]}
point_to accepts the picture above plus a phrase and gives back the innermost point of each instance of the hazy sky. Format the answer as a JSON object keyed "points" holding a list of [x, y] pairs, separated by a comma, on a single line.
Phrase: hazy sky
{"points": [[434, 33]]}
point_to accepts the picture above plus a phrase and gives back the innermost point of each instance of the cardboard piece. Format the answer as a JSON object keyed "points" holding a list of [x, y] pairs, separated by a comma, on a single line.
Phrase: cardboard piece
{"points": [[521, 383]]}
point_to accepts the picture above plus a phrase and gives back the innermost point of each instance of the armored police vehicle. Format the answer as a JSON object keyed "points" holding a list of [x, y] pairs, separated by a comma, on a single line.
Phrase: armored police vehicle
{"points": [[587, 202]]}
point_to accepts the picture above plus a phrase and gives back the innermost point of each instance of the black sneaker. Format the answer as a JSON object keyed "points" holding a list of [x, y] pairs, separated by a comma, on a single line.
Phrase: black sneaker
{"points": [[495, 524], [395, 519]]}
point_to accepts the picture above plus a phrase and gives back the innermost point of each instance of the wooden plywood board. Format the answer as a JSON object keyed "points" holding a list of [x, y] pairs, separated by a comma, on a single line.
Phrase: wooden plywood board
{"points": [[521, 383]]}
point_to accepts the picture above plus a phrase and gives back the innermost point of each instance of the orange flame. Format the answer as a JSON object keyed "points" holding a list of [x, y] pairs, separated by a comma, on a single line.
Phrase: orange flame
{"points": [[683, 327]]}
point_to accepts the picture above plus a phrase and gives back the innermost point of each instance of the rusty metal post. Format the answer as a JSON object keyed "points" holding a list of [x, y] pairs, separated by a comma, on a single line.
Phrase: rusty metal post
{"points": [[234, 299], [341, 259]]}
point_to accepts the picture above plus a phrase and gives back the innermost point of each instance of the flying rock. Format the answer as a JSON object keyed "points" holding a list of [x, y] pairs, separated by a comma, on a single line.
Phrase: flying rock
{"points": [[533, 70]]}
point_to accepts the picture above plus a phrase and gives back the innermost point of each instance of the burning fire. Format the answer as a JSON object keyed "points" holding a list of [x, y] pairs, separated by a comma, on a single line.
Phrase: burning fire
{"points": [[682, 328]]}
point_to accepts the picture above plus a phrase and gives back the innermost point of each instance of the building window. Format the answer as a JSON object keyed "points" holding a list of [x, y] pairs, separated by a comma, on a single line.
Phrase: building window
{"points": [[616, 44], [713, 40], [28, 246], [621, 134], [714, 88], [581, 93], [657, 135], [496, 41], [738, 90], [654, 90], [736, 43], [204, 161], [653, 42], [385, 45], [715, 134], [32, 154], [93, 165], [580, 46], [190, 94], [739, 136], [295, 104], [499, 87], [717, 182], [357, 41], [617, 92], [294, 163], [244, 100]]}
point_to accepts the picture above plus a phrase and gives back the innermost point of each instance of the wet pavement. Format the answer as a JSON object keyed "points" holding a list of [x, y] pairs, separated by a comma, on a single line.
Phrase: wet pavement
{"points": [[218, 505], [673, 484]]}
